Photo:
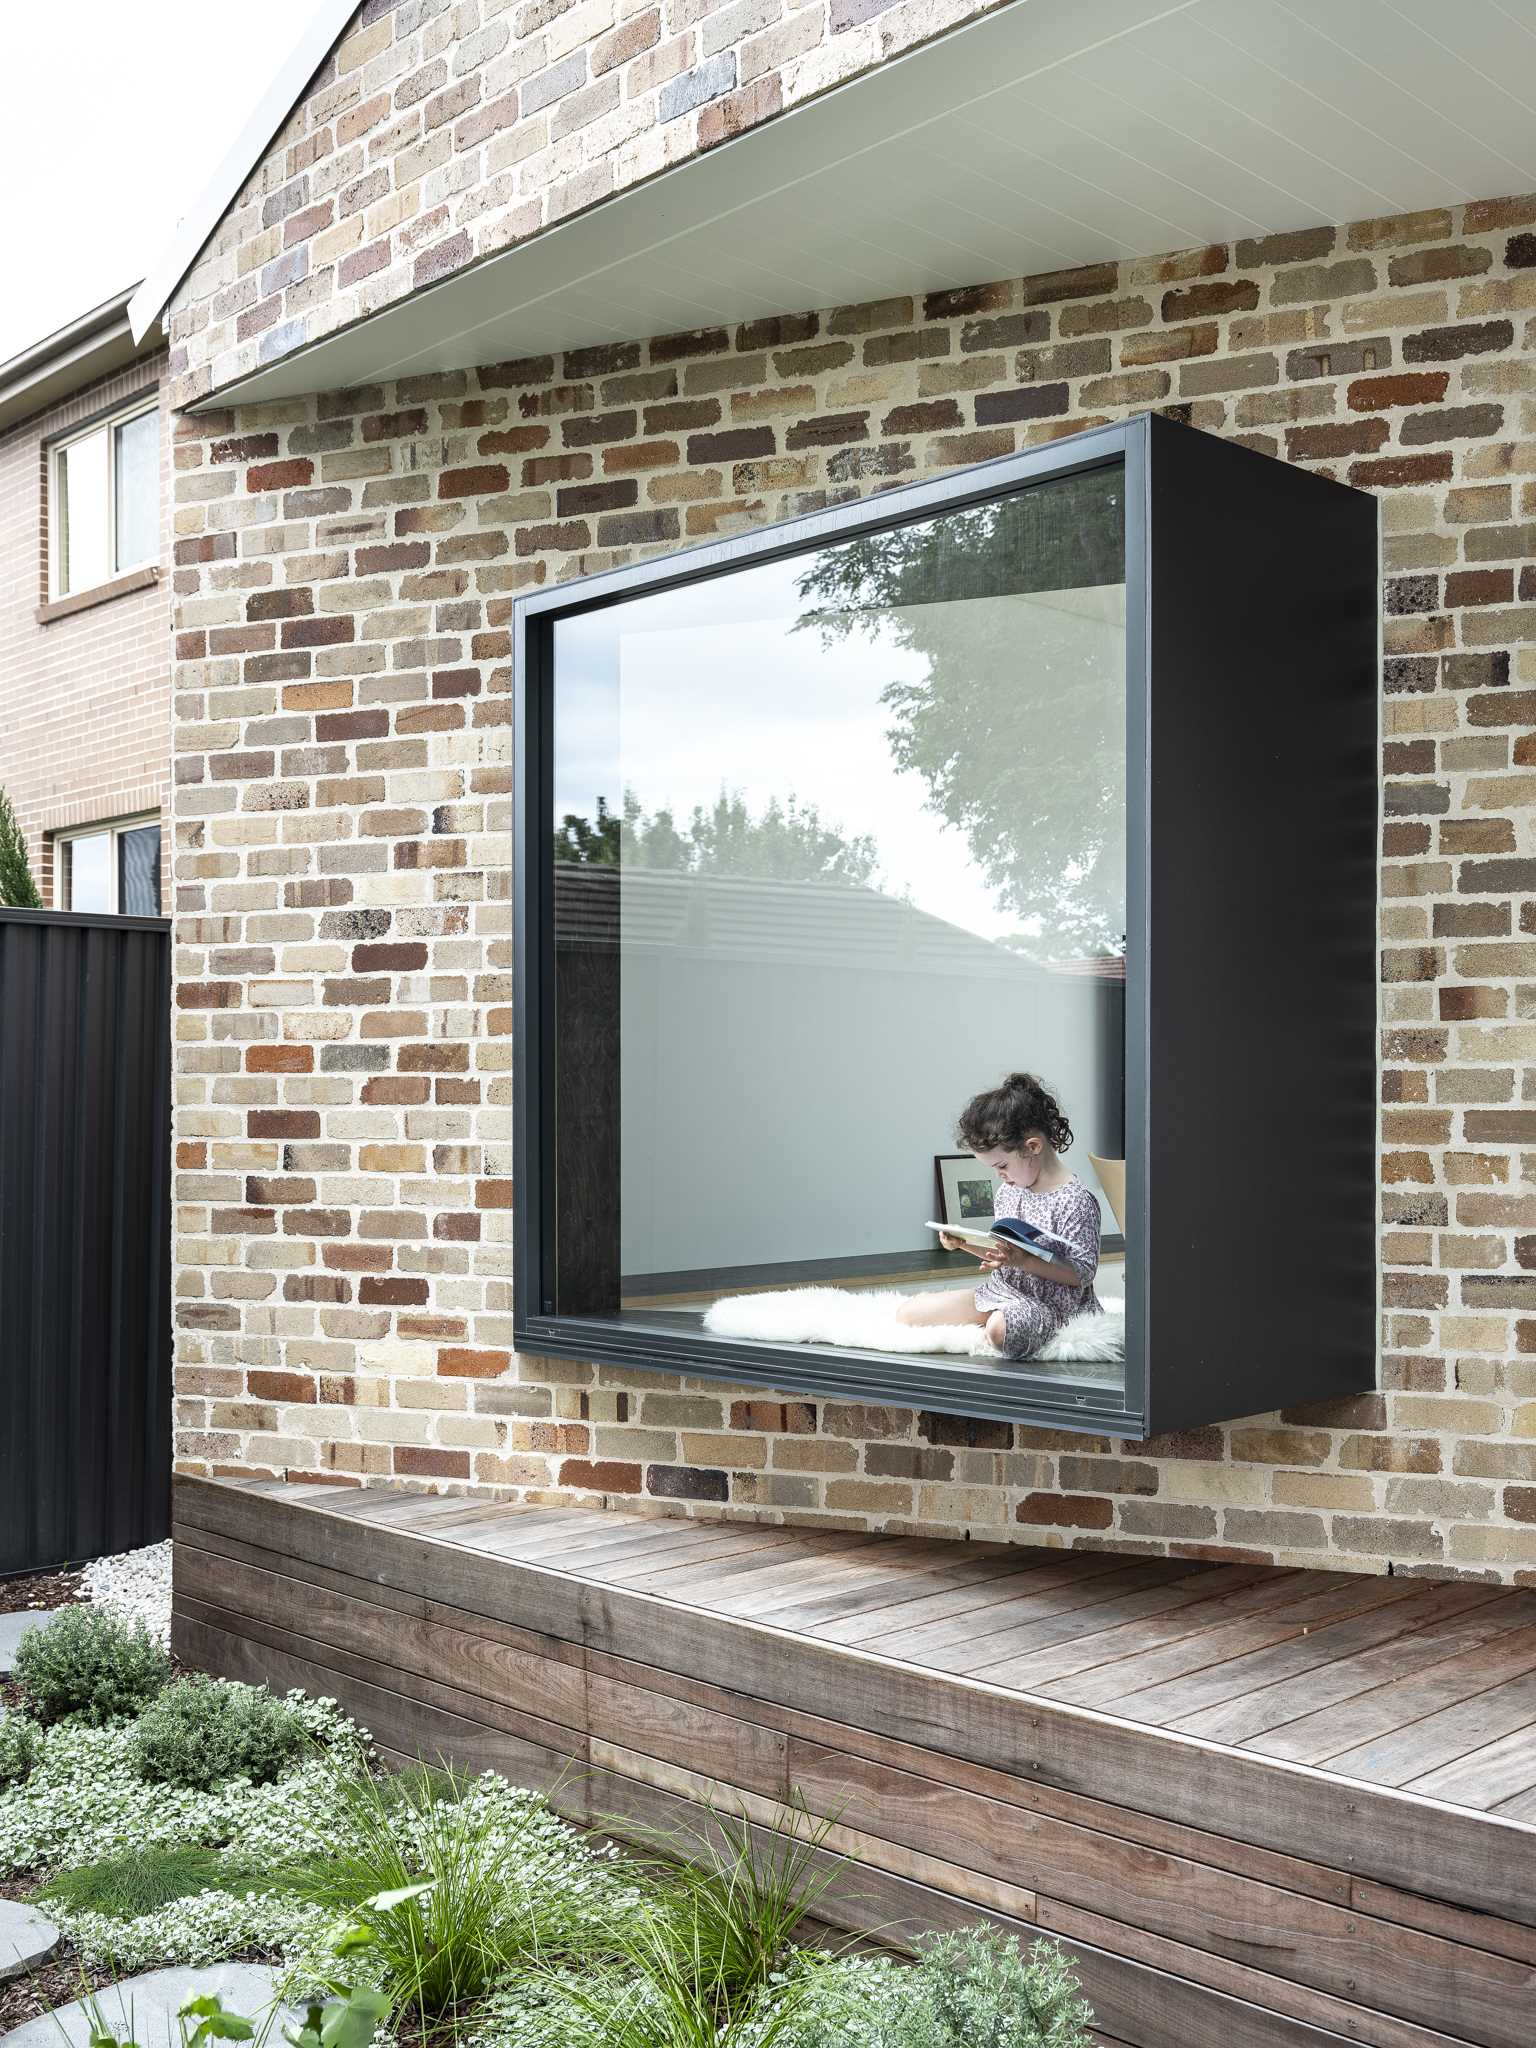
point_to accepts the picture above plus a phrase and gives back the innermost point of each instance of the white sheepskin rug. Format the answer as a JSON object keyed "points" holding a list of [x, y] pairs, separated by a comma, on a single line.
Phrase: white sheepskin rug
{"points": [[860, 1319]]}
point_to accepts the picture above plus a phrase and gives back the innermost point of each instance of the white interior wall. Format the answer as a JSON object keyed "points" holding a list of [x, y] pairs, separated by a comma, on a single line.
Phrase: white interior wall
{"points": [[779, 1106]]}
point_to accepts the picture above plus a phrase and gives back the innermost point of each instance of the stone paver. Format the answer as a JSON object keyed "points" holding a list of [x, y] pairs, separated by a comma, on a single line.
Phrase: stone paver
{"points": [[144, 2008], [26, 1938], [14, 1626]]}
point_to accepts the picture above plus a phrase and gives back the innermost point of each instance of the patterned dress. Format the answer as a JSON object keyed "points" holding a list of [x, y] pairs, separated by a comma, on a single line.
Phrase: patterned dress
{"points": [[1034, 1309]]}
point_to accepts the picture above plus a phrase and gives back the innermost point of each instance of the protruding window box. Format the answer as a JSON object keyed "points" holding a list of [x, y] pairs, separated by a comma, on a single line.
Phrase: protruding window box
{"points": [[1066, 762]]}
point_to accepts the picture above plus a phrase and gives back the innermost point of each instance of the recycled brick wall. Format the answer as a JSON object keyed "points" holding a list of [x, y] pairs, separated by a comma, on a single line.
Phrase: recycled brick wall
{"points": [[439, 131], [85, 700], [345, 572]]}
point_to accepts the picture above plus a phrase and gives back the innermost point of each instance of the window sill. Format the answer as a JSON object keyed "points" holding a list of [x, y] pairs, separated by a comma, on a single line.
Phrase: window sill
{"points": [[969, 1387], [99, 593]]}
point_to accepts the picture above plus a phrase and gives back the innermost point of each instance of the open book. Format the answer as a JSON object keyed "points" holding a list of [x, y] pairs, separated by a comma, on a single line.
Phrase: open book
{"points": [[1012, 1230]]}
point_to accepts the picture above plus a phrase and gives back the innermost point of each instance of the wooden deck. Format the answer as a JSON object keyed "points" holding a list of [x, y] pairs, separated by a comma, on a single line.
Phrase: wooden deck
{"points": [[1263, 1807]]}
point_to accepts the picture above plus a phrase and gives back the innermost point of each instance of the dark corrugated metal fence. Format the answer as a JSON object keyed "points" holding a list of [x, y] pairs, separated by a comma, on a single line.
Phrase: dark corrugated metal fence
{"points": [[85, 1347]]}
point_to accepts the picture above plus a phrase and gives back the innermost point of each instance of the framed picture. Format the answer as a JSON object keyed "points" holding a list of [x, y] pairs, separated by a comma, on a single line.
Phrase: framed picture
{"points": [[965, 1188]]}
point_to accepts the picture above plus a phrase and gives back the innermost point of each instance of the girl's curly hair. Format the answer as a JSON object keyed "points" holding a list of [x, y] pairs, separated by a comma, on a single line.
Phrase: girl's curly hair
{"points": [[1003, 1117]]}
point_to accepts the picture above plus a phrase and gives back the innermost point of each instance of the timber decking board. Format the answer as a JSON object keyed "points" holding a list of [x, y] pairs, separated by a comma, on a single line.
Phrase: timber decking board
{"points": [[1489, 1777], [1211, 1896], [1416, 1698], [1459, 1619], [1221, 1683], [1262, 1589], [1478, 1860]]}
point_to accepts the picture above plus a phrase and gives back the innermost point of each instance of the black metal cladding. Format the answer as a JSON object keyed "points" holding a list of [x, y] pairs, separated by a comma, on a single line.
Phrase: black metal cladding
{"points": [[85, 1340]]}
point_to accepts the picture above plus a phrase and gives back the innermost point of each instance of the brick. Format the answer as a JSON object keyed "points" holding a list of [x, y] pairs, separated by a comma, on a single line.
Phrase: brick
{"points": [[1451, 423], [1339, 358], [1034, 401], [279, 476], [687, 1482], [1372, 394], [604, 1476], [1452, 344], [1065, 1511]]}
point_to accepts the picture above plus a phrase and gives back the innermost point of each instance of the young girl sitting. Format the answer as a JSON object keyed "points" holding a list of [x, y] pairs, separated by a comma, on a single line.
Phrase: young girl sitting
{"points": [[1018, 1131]]}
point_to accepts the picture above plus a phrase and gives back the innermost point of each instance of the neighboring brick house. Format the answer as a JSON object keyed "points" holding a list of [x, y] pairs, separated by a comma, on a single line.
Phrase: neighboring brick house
{"points": [[85, 671], [356, 509]]}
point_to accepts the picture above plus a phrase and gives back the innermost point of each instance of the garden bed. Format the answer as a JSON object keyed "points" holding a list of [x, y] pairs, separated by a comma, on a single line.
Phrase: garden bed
{"points": [[161, 1820]]}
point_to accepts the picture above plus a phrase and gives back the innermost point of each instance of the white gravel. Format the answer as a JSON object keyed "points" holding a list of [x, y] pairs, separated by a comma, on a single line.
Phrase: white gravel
{"points": [[136, 1583]]}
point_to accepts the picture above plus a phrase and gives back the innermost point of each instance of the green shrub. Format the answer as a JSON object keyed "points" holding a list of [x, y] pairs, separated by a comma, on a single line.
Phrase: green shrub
{"points": [[145, 1880], [88, 1665], [18, 1750], [982, 1990], [457, 1882], [732, 1898], [978, 1989], [201, 1731]]}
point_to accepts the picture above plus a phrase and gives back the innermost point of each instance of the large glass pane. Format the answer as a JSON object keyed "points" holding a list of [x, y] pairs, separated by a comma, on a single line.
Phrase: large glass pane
{"points": [[138, 490], [82, 521], [90, 871], [138, 871], [839, 842]]}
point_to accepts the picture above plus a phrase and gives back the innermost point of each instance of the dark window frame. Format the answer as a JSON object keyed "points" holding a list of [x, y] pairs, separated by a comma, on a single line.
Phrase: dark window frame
{"points": [[1168, 469]]}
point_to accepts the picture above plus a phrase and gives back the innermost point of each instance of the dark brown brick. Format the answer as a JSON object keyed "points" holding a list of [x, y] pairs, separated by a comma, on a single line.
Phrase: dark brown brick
{"points": [[282, 1123], [279, 476], [1389, 472], [827, 430], [1032, 402], [922, 418], [733, 444], [394, 426], [1208, 301], [1480, 586], [687, 1482], [701, 341], [1450, 344], [280, 604], [1332, 438], [789, 1418], [1422, 387], [609, 1476], [576, 499], [422, 1461], [969, 298], [964, 1432], [1065, 1511], [1092, 281], [1450, 423], [477, 480], [397, 957]]}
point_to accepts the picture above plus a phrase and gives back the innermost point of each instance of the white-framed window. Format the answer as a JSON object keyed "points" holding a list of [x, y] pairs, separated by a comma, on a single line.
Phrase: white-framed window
{"points": [[104, 500], [111, 869]]}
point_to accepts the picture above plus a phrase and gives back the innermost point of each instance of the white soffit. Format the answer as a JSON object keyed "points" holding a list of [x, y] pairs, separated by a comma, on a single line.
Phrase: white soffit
{"points": [[1049, 134]]}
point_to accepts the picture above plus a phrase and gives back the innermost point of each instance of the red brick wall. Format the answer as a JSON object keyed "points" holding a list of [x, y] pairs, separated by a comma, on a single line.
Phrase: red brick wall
{"points": [[345, 571], [85, 700]]}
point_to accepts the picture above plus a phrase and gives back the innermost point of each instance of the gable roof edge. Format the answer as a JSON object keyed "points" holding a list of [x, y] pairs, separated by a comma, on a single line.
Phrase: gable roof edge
{"points": [[324, 29]]}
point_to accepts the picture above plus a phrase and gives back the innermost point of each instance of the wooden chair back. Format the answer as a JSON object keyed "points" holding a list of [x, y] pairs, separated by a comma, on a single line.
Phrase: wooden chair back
{"points": [[1111, 1174]]}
